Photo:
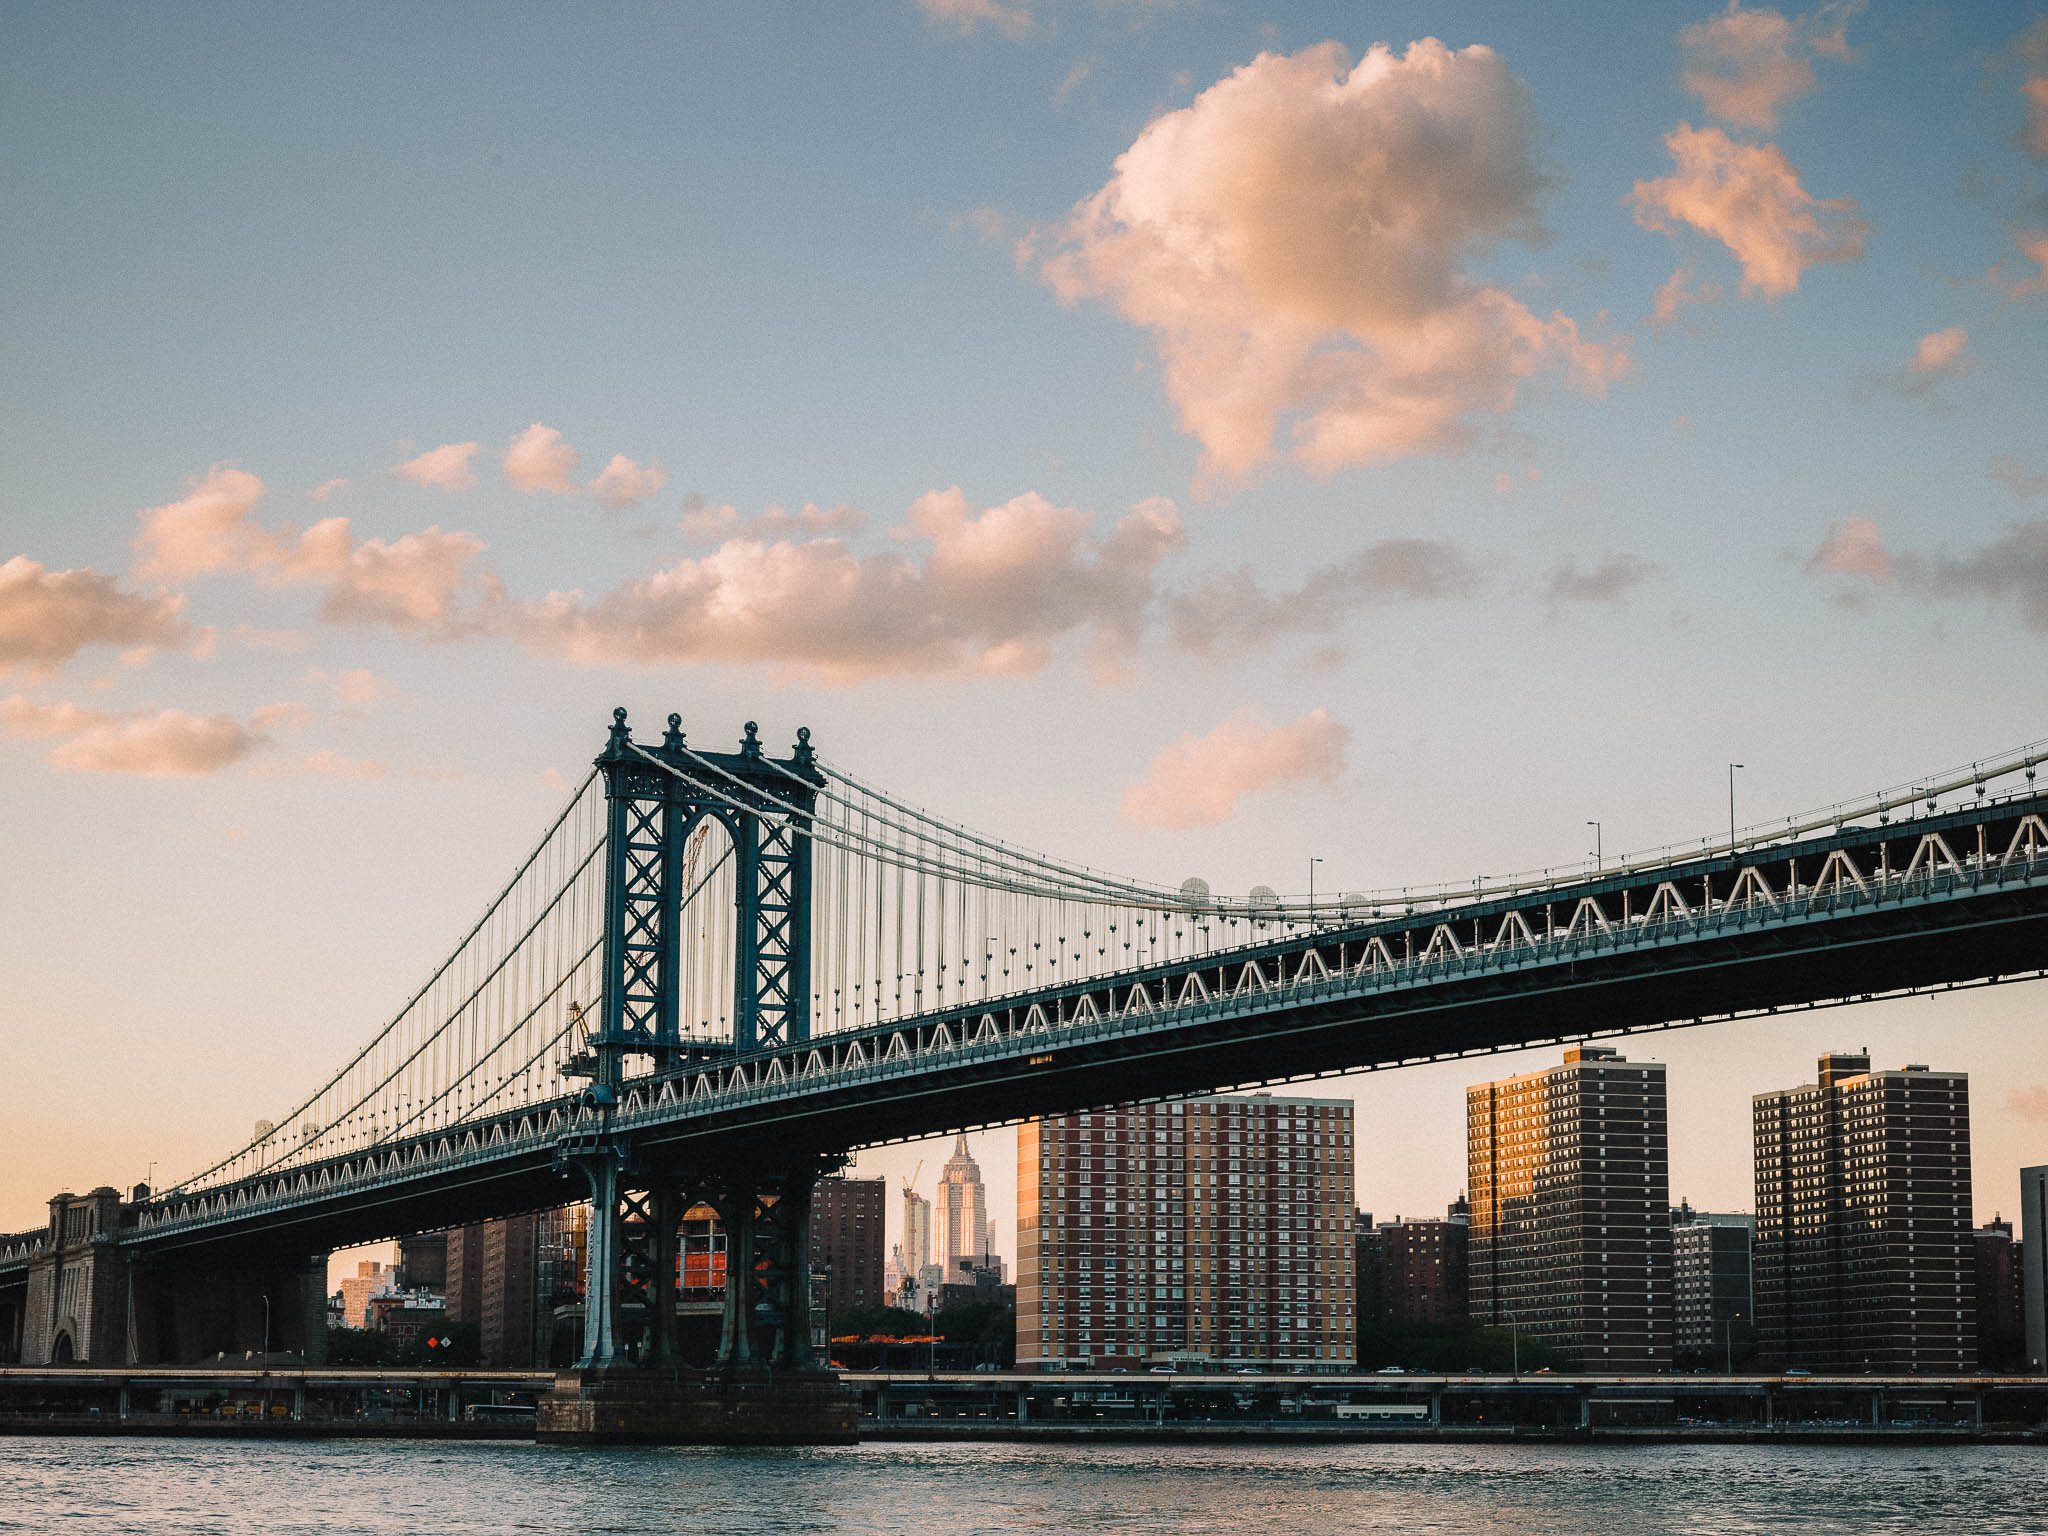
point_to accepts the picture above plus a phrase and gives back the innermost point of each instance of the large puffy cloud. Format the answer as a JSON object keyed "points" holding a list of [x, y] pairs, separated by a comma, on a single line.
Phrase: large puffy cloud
{"points": [[1749, 198], [1297, 242], [445, 468], [47, 617], [994, 590], [1198, 780], [538, 460], [1230, 611], [166, 744], [622, 483], [430, 582]]}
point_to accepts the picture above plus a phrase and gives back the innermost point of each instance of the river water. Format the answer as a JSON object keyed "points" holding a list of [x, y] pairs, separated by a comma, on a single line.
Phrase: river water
{"points": [[431, 1489]]}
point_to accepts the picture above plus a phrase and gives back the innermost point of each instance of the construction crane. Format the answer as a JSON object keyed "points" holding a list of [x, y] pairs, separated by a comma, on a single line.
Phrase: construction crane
{"points": [[909, 1184]]}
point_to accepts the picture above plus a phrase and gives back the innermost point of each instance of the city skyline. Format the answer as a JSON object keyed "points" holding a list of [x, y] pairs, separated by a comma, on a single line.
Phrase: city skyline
{"points": [[388, 403]]}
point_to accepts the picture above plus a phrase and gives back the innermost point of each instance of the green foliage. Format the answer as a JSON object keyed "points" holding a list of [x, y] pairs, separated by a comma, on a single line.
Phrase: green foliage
{"points": [[880, 1322], [1451, 1347], [986, 1323]]}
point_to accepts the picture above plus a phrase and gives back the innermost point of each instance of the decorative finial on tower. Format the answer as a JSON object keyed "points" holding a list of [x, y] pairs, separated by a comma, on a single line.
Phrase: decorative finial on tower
{"points": [[673, 740], [621, 734], [806, 756], [751, 747]]}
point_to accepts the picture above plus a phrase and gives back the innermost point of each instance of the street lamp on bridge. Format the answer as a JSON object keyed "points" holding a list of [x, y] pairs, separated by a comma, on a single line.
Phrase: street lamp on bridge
{"points": [[1596, 843], [1731, 805]]}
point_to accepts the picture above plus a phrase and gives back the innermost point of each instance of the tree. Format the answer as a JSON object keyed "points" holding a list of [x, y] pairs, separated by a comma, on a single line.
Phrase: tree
{"points": [[880, 1322], [990, 1326]]}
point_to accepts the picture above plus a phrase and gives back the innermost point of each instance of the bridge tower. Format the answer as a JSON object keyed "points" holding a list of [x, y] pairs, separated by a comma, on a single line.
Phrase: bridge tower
{"points": [[765, 1384]]}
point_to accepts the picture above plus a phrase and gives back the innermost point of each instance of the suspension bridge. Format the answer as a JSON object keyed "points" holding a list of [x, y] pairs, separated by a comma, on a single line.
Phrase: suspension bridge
{"points": [[717, 973]]}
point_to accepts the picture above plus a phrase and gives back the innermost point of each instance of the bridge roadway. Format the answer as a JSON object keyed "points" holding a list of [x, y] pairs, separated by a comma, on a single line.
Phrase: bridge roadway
{"points": [[1919, 903]]}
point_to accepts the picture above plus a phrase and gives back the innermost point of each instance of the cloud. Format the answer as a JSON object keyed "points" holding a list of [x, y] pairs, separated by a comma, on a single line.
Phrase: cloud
{"points": [[1743, 65], [430, 582], [2033, 244], [1198, 780], [1749, 198], [287, 716], [538, 460], [991, 592], [1609, 581], [1296, 242], [622, 483], [2012, 568], [1853, 548], [1939, 357], [2032, 48], [701, 521], [166, 744], [445, 468], [2006, 470], [47, 617], [357, 688], [968, 16], [326, 489], [2029, 1104], [1676, 293], [1229, 611], [24, 719]]}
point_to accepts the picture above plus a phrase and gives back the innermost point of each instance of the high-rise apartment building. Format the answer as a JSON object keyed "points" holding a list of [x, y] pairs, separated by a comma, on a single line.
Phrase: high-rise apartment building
{"points": [[846, 1241], [959, 1210], [1415, 1271], [2033, 1262], [917, 1232], [1863, 1249], [1213, 1228], [2001, 1326], [1571, 1219], [1713, 1300]]}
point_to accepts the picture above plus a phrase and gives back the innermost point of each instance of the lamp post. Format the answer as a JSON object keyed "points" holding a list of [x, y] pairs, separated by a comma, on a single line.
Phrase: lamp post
{"points": [[1731, 805], [1312, 863], [1596, 843]]}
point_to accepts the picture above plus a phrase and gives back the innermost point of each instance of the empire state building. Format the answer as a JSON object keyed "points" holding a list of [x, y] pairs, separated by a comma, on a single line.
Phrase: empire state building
{"points": [[960, 1211]]}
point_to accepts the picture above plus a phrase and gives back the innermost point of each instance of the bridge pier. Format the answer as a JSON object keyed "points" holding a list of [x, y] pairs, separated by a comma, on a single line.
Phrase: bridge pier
{"points": [[765, 1386]]}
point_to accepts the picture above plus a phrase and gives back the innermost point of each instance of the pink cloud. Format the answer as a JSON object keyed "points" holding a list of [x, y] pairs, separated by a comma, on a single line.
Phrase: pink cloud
{"points": [[166, 744], [47, 617], [1942, 354], [966, 16], [1198, 780], [990, 591], [326, 489], [2033, 244], [2029, 1104], [1744, 65], [701, 520], [2032, 48], [1853, 548], [22, 718], [429, 582], [1676, 293], [1749, 198], [622, 483], [538, 460], [323, 762], [1296, 243], [445, 468]]}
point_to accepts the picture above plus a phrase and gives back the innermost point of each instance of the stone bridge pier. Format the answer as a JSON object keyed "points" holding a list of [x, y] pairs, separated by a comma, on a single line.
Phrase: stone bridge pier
{"points": [[92, 1300]]}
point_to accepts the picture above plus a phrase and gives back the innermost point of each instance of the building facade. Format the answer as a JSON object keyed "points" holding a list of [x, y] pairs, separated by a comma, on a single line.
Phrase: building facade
{"points": [[2001, 1318], [1571, 1221], [1217, 1229], [1713, 1296], [847, 1217], [2033, 1265], [959, 1211], [1864, 1258], [1415, 1271]]}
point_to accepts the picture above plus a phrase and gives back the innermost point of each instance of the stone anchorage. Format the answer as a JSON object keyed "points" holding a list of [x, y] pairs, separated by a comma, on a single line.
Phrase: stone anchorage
{"points": [[632, 1406]]}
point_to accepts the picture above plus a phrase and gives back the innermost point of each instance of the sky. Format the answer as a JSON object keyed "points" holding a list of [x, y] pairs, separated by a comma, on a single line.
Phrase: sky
{"points": [[1194, 439]]}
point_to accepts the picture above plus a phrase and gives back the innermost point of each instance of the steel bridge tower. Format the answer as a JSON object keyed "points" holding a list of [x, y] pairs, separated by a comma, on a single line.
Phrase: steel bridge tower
{"points": [[629, 1383]]}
